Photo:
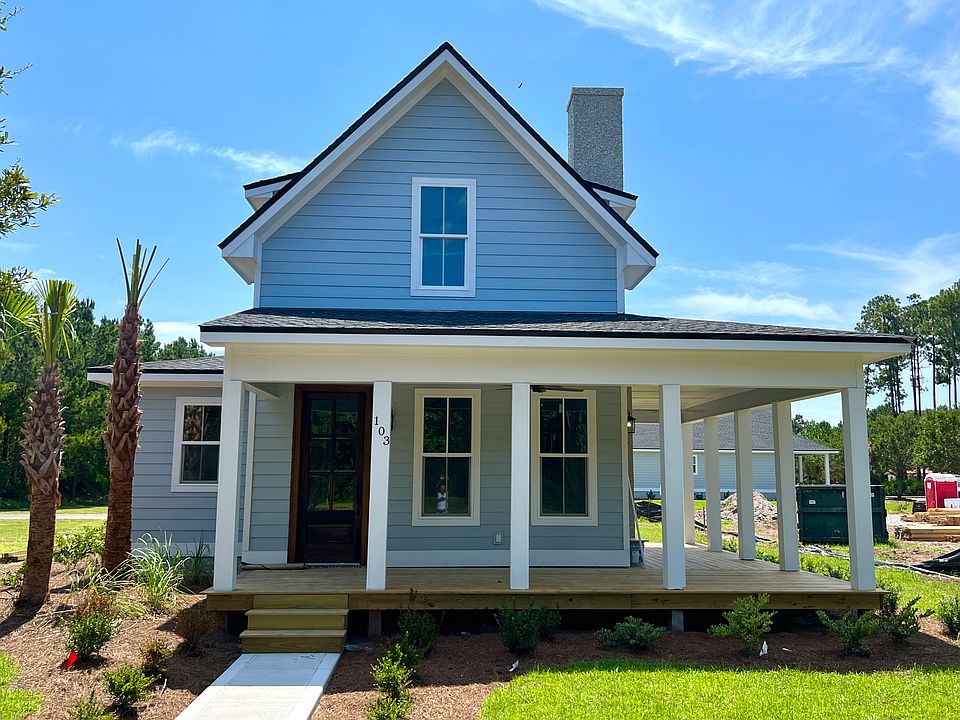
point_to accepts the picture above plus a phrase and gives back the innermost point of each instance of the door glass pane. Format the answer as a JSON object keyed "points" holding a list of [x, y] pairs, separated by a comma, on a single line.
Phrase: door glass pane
{"points": [[431, 210], [575, 419], [190, 464], [458, 485], [551, 426], [347, 418], [321, 418], [461, 421], [454, 269], [211, 423], [551, 486], [209, 463], [435, 491], [318, 497], [455, 211], [344, 491], [321, 455], [575, 486], [346, 455], [431, 270], [193, 422], [434, 425]]}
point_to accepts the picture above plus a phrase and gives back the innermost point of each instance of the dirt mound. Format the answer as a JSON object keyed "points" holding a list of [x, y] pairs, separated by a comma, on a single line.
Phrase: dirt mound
{"points": [[763, 509]]}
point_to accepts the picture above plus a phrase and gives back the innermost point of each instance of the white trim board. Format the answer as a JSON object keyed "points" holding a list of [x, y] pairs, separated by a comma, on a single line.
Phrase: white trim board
{"points": [[176, 485]]}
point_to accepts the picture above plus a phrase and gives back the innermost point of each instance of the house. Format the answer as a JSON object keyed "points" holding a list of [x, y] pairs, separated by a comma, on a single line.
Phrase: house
{"points": [[433, 388], [646, 455]]}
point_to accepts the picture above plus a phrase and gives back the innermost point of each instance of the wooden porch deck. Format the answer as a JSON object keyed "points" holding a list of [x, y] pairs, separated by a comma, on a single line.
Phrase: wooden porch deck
{"points": [[713, 581]]}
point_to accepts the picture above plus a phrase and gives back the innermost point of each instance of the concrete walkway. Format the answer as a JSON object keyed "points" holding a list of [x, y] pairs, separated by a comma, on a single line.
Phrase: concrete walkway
{"points": [[262, 686]]}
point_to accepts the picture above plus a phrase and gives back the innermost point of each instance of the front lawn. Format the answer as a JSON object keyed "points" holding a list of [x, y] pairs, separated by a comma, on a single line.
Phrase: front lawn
{"points": [[15, 704], [612, 689], [13, 533]]}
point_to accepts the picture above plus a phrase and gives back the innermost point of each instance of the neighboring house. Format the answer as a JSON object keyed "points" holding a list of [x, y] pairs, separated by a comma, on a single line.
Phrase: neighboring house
{"points": [[646, 456], [433, 387]]}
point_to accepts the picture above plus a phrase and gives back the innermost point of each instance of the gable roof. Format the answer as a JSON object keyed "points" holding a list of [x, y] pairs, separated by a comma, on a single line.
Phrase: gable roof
{"points": [[210, 364], [647, 435], [376, 113]]}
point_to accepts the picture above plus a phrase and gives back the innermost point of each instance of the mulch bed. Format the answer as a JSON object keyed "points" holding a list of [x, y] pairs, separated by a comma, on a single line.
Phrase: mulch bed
{"points": [[38, 645], [460, 672]]}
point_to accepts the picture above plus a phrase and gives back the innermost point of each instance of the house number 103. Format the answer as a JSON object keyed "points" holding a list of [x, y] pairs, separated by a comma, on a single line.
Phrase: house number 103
{"points": [[380, 430]]}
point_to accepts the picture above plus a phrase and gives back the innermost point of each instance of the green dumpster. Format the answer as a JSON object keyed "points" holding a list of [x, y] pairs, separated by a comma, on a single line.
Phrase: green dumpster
{"points": [[822, 513]]}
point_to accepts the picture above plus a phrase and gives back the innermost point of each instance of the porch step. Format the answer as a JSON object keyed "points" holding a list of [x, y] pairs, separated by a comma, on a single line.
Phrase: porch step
{"points": [[288, 641], [297, 619], [325, 601]]}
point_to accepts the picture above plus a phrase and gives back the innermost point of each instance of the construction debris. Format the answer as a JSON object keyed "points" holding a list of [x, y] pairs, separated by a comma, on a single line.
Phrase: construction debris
{"points": [[763, 509]]}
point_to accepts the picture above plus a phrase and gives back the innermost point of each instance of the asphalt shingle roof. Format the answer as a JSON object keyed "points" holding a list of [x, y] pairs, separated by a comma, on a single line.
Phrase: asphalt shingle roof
{"points": [[472, 322], [209, 364], [647, 435]]}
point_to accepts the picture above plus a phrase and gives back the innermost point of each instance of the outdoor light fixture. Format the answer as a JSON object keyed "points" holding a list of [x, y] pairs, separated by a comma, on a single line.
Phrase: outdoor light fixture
{"points": [[631, 424]]}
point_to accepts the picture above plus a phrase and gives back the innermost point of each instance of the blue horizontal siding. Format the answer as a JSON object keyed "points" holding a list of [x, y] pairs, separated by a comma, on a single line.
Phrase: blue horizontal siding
{"points": [[646, 473]]}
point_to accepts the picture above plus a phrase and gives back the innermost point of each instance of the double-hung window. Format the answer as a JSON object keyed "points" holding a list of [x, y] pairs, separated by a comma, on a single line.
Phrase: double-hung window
{"points": [[196, 445], [446, 471], [443, 251], [564, 448]]}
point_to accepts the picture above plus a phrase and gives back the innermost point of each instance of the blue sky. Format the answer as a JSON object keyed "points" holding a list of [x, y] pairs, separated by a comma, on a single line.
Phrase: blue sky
{"points": [[792, 159]]}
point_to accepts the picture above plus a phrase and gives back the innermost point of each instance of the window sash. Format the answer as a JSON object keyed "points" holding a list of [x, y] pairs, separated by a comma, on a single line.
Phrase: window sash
{"points": [[449, 268], [178, 484]]}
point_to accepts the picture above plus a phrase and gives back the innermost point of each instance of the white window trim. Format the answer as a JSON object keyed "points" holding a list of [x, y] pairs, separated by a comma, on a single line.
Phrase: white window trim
{"points": [[175, 484], [536, 518], [473, 519], [417, 288]]}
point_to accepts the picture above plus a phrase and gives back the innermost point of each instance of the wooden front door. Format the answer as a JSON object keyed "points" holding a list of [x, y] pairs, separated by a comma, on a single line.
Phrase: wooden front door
{"points": [[334, 460]]}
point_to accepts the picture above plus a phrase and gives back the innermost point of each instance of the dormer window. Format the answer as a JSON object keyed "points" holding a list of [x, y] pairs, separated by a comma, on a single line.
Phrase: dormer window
{"points": [[444, 252]]}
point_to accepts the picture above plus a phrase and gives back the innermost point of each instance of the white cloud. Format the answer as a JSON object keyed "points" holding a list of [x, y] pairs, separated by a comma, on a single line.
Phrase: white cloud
{"points": [[169, 330], [261, 162], [781, 307], [920, 11], [925, 267], [944, 98], [760, 272]]}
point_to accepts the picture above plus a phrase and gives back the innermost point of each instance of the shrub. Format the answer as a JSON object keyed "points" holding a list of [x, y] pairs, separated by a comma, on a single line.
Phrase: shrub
{"points": [[418, 628], [406, 653], [851, 630], [71, 548], [128, 684], [900, 621], [87, 634], [748, 621], [90, 709], [157, 571], [389, 708], [948, 612], [156, 656], [14, 580], [632, 634], [193, 623], [549, 622], [519, 629], [392, 677]]}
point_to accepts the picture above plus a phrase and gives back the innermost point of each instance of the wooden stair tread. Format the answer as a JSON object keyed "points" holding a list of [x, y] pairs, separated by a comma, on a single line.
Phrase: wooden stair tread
{"points": [[292, 633], [297, 611]]}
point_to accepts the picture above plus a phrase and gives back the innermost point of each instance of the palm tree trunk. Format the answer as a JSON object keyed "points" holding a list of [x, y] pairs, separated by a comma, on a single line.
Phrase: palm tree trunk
{"points": [[43, 438], [122, 437]]}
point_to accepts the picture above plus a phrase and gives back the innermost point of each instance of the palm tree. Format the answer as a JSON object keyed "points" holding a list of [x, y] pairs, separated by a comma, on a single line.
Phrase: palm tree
{"points": [[51, 323], [122, 436]]}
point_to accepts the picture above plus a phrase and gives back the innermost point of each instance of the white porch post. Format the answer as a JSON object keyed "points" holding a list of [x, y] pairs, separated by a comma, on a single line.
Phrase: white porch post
{"points": [[671, 488], [228, 488], [520, 487], [689, 507], [379, 485], [787, 534], [799, 469], [746, 525], [863, 574], [826, 467], [711, 474]]}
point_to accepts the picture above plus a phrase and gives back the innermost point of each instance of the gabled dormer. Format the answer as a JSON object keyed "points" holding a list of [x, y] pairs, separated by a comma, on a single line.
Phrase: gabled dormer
{"points": [[442, 197]]}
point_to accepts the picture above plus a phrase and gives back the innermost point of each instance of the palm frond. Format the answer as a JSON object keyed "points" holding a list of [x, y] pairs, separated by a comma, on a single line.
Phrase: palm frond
{"points": [[53, 325], [136, 276], [17, 307]]}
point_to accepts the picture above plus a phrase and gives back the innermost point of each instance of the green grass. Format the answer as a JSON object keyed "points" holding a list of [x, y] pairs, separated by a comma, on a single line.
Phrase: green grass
{"points": [[615, 690], [62, 510], [13, 533], [15, 704]]}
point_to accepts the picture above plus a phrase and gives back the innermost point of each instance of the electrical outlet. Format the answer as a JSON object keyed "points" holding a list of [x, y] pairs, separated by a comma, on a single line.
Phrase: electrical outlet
{"points": [[498, 538]]}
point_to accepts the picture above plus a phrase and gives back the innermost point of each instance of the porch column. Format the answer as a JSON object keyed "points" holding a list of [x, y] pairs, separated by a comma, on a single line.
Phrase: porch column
{"points": [[746, 525], [379, 485], [671, 488], [799, 469], [689, 507], [857, 470], [826, 467], [228, 488], [787, 535], [711, 474], [520, 487]]}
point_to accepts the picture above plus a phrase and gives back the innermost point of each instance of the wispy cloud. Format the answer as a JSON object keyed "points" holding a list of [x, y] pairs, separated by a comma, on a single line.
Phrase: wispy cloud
{"points": [[924, 267], [261, 162], [790, 38], [782, 307], [759, 272], [169, 330]]}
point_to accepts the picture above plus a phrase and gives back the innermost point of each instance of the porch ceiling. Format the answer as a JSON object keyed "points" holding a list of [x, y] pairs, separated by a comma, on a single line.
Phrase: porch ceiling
{"points": [[700, 401]]}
